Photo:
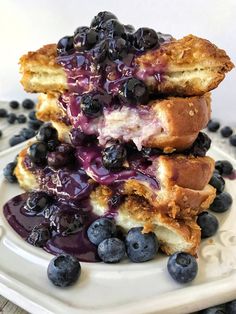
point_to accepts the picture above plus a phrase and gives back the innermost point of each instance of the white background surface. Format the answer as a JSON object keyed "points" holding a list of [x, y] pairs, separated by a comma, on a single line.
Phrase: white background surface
{"points": [[27, 25]]}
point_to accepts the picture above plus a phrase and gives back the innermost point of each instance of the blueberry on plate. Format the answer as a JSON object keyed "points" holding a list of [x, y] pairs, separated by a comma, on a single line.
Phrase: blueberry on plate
{"points": [[101, 18], [91, 106], [221, 203], [145, 38], [231, 307], [213, 126], [39, 235], [85, 38], [28, 104], [16, 139], [32, 115], [8, 172], [114, 156], [37, 201], [64, 270], [47, 132], [218, 309], [27, 133], [112, 29], [226, 131], [232, 140], [38, 153], [3, 113], [111, 250], [35, 124], [11, 118], [224, 167], [14, 104], [200, 146], [21, 118], [208, 224], [141, 247], [182, 267], [217, 182], [135, 91], [101, 229], [65, 45]]}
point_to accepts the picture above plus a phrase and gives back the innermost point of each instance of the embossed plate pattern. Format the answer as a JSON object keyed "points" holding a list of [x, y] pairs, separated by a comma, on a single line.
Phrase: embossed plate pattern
{"points": [[123, 288]]}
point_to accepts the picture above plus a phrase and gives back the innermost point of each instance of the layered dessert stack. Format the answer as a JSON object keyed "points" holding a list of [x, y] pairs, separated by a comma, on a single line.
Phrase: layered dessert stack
{"points": [[124, 110]]}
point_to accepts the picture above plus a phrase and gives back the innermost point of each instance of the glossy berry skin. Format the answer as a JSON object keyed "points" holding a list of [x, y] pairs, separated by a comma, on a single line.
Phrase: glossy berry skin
{"points": [[85, 38], [8, 172], [91, 106], [32, 115], [27, 133], [145, 38], [39, 235], [11, 119], [101, 18], [101, 229], [200, 146], [77, 137], [52, 145], [57, 160], [46, 133], [221, 203], [226, 131], [64, 270], [135, 91], [28, 104], [117, 49], [14, 104], [208, 224], [217, 182], [112, 29], [213, 126], [35, 124], [3, 113], [231, 307], [219, 309], [114, 156], [232, 140], [65, 45], [111, 250], [224, 167], [21, 118], [100, 51], [38, 153], [141, 247], [182, 267], [36, 202], [16, 139], [129, 28]]}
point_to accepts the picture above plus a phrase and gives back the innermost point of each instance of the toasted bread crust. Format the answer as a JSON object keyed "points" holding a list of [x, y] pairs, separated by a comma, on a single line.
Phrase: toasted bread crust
{"points": [[189, 66]]}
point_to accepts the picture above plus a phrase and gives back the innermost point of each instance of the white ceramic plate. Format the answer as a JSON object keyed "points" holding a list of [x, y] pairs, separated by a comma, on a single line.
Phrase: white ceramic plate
{"points": [[122, 288]]}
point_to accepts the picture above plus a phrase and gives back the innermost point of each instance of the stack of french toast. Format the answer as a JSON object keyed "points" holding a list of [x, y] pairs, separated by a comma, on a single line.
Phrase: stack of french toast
{"points": [[127, 107]]}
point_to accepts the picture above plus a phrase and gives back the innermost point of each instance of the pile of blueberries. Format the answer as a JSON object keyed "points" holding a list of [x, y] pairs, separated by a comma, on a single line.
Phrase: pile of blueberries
{"points": [[33, 123], [226, 132]]}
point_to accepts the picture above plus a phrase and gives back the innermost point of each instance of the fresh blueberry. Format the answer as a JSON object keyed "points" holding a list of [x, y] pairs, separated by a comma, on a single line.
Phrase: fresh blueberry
{"points": [[221, 203], [27, 133], [3, 113], [77, 137], [226, 131], [0, 133], [91, 106], [65, 45], [117, 49], [231, 307], [208, 224], [37, 201], [52, 145], [35, 124], [164, 37], [111, 250], [115, 201], [182, 267], [114, 156], [213, 126], [21, 118], [57, 160], [100, 51], [11, 118], [66, 222], [85, 38], [39, 235], [224, 167], [14, 104], [101, 229], [129, 28], [16, 139], [38, 153], [232, 140], [101, 18], [112, 29], [135, 91], [8, 172], [46, 133], [200, 146], [217, 182], [28, 104], [32, 115], [65, 148], [64, 270], [141, 247], [145, 38], [219, 309]]}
